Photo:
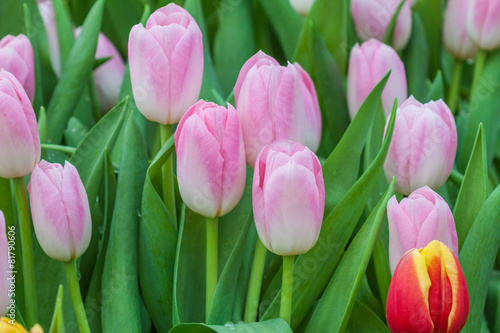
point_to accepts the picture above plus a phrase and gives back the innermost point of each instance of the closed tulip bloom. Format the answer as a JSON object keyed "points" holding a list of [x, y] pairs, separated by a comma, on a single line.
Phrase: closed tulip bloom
{"points": [[16, 57], [418, 220], [7, 325], [372, 17], [455, 36], [211, 168], [483, 23], [19, 138], [4, 268], [428, 292], [368, 64], [302, 6], [423, 146], [109, 76], [60, 210], [166, 64], [288, 197]]}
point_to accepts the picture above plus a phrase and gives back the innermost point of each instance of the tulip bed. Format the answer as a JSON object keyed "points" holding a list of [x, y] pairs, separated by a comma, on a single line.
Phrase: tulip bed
{"points": [[250, 166]]}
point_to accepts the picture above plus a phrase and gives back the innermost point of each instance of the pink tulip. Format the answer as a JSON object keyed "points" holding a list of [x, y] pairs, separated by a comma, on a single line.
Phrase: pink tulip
{"points": [[416, 221], [16, 57], [4, 268], [372, 17], [288, 197], [455, 37], [423, 146], [109, 76], [46, 10], [211, 167], [276, 102], [483, 23], [368, 64], [166, 64], [19, 138], [60, 210], [302, 6]]}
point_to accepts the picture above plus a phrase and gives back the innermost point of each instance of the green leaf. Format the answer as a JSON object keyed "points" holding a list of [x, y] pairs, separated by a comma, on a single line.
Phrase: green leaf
{"points": [[75, 132], [436, 89], [431, 13], [334, 308], [57, 324], [120, 274], [286, 22], [363, 320], [391, 28], [474, 190], [119, 17], [313, 55], [270, 326], [11, 24], [477, 257], [492, 309], [157, 246], [313, 269], [367, 297], [235, 32], [6, 203], [75, 75], [381, 267], [65, 35]]}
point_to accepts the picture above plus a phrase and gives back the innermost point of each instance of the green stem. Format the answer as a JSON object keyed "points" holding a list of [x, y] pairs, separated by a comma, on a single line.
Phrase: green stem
{"points": [[212, 252], [63, 149], [168, 175], [456, 177], [478, 69], [253, 295], [27, 252], [76, 296], [455, 85], [286, 289]]}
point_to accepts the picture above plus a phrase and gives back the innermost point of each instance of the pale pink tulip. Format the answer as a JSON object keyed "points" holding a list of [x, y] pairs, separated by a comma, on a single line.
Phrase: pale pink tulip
{"points": [[4, 268], [46, 9], [19, 138], [423, 146], [166, 64], [455, 37], [60, 210], [368, 64], [418, 220], [211, 168], [108, 77], [483, 23], [16, 57], [302, 6], [288, 197], [372, 17]]}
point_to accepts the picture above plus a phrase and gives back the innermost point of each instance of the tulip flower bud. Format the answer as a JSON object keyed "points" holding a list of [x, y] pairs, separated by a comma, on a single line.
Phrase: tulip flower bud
{"points": [[368, 64], [276, 102], [428, 292], [423, 146], [483, 23], [109, 76], [4, 268], [16, 57], [19, 138], [372, 17], [211, 169], [455, 37], [8, 325], [302, 6], [60, 210], [418, 220], [288, 197], [166, 64], [46, 9]]}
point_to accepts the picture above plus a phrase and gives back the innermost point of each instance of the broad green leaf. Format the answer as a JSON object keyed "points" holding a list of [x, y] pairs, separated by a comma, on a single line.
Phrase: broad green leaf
{"points": [[75, 132], [65, 35], [380, 267], [313, 269], [492, 308], [474, 190], [366, 296], [335, 306], [340, 170], [313, 55], [57, 324], [416, 56], [286, 22], [270, 326], [235, 32], [436, 89], [11, 24], [120, 16], [363, 320], [431, 13], [477, 257], [75, 75], [157, 246], [120, 274], [391, 28]]}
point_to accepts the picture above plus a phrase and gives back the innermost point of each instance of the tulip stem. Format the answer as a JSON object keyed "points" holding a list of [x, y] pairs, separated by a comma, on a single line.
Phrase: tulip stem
{"points": [[27, 252], [212, 253], [286, 289], [478, 69], [455, 85], [168, 176], [253, 295], [76, 296]]}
